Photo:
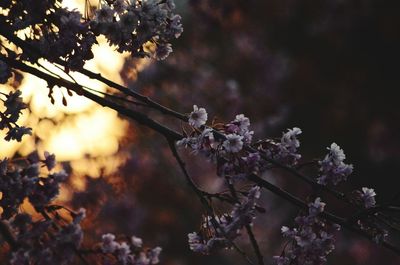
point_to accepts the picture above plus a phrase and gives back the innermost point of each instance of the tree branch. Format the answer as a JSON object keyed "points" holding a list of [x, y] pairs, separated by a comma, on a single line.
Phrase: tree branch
{"points": [[326, 215], [26, 47], [135, 115]]}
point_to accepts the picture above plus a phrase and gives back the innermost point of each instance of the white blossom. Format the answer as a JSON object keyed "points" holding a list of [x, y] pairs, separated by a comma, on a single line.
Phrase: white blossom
{"points": [[176, 26], [248, 137], [154, 255], [196, 244], [305, 237], [287, 232], [198, 117], [287, 148], [233, 143], [108, 243], [289, 139], [333, 169], [368, 197], [136, 241], [313, 238], [191, 142], [336, 154], [123, 250], [243, 122], [316, 207]]}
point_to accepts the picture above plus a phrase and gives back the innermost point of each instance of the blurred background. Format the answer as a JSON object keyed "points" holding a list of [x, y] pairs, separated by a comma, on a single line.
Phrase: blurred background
{"points": [[329, 67]]}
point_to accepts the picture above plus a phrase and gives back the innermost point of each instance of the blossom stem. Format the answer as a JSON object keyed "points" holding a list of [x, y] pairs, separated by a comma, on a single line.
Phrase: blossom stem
{"points": [[203, 200], [249, 230]]}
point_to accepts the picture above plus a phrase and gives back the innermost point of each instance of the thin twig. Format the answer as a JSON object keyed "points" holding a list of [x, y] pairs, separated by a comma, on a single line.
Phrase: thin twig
{"points": [[203, 200], [135, 115], [26, 47], [249, 229]]}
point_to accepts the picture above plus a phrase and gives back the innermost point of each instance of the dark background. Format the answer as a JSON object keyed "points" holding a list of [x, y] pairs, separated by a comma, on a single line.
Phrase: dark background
{"points": [[329, 67]]}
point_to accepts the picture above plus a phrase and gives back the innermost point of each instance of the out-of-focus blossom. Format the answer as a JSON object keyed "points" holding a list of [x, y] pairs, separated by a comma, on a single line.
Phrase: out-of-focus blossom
{"points": [[130, 253]]}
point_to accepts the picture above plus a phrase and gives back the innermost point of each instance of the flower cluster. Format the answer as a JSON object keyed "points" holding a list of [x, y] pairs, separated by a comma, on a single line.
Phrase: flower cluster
{"points": [[332, 168], [45, 241], [27, 13], [18, 183], [284, 151], [312, 240], [55, 32], [130, 25], [73, 41], [58, 33], [224, 144], [230, 146], [368, 222], [8, 119], [39, 240], [289, 144], [233, 135], [129, 253], [56, 237], [212, 237]]}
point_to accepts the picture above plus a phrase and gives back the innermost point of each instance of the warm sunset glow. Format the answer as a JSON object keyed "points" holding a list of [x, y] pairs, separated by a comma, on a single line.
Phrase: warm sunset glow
{"points": [[91, 133]]}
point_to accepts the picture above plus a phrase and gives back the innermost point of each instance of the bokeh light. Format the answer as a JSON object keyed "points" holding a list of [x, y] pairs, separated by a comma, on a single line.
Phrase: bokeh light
{"points": [[82, 132]]}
